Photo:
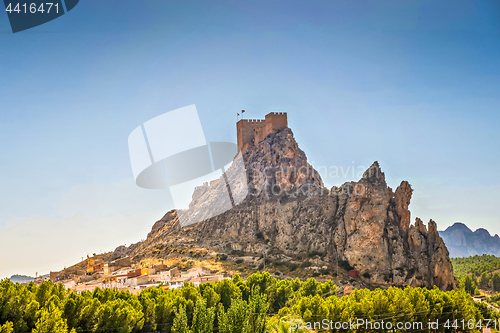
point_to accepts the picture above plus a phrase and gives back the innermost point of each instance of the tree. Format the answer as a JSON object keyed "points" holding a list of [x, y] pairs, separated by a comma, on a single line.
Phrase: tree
{"points": [[310, 287], [227, 291], [476, 265], [401, 303], [192, 309], [237, 278], [265, 281], [88, 315], [211, 296], [469, 284], [312, 308], [235, 320], [258, 310], [44, 292], [284, 294], [120, 316], [267, 285], [180, 321], [70, 310], [7, 327], [165, 311], [277, 324], [495, 282], [203, 319], [148, 306], [484, 280], [51, 320], [327, 288]]}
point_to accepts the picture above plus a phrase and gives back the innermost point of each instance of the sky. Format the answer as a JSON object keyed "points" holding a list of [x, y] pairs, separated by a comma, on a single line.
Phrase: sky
{"points": [[412, 84]]}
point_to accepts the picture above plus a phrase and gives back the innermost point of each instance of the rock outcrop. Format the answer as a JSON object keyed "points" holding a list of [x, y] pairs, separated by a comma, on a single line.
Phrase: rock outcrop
{"points": [[289, 212]]}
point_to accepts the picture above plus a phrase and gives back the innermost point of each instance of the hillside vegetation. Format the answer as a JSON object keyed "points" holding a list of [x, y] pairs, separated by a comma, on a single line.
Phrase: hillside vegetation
{"points": [[259, 304], [495, 301], [478, 273], [476, 265]]}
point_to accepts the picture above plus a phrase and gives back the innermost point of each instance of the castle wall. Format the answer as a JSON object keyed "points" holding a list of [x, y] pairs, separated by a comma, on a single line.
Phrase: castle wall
{"points": [[274, 121], [246, 129], [252, 131]]}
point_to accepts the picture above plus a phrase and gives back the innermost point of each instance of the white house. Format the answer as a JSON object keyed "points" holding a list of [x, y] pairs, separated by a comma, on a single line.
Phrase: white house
{"points": [[198, 271], [167, 275], [138, 280], [178, 282]]}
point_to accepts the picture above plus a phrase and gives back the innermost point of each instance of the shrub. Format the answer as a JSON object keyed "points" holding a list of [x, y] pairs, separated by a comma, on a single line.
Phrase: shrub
{"points": [[315, 253], [315, 274], [345, 265], [293, 267], [238, 253], [239, 261], [260, 235], [306, 264], [222, 257]]}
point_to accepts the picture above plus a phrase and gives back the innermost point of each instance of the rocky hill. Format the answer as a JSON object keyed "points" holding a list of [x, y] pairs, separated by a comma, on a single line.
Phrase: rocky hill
{"points": [[289, 215], [463, 242], [21, 278]]}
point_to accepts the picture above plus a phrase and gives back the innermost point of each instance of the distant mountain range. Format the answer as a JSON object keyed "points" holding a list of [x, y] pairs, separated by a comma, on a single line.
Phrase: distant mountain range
{"points": [[21, 278], [463, 242]]}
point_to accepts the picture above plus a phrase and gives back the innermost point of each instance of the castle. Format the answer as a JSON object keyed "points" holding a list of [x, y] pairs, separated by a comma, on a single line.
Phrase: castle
{"points": [[252, 131]]}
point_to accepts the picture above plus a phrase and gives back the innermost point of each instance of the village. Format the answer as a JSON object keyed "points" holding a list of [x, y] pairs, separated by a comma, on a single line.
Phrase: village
{"points": [[122, 274]]}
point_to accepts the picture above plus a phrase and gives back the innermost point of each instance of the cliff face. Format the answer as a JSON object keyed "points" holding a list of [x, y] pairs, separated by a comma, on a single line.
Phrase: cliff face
{"points": [[463, 242], [288, 212], [277, 167]]}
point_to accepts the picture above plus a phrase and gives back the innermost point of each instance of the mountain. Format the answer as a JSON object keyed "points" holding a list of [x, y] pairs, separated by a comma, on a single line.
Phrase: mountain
{"points": [[463, 242], [21, 278], [289, 215]]}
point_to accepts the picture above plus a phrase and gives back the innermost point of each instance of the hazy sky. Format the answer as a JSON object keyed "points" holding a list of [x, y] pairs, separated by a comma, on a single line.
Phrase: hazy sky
{"points": [[412, 84]]}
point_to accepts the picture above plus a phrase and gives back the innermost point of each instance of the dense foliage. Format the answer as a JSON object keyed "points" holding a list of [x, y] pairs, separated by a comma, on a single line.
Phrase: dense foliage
{"points": [[495, 300], [476, 265], [478, 272], [259, 304]]}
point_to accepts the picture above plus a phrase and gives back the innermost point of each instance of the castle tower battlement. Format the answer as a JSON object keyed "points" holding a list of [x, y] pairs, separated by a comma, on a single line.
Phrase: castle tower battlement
{"points": [[252, 131]]}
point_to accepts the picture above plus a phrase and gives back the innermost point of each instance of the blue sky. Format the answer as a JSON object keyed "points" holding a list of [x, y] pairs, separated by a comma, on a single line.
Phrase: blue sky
{"points": [[412, 84]]}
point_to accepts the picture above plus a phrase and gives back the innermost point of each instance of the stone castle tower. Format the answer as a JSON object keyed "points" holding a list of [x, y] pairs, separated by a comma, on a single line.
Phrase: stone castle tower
{"points": [[252, 131]]}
